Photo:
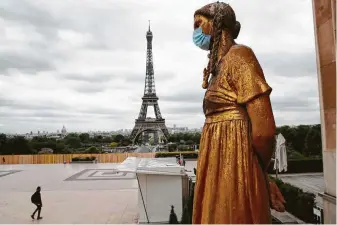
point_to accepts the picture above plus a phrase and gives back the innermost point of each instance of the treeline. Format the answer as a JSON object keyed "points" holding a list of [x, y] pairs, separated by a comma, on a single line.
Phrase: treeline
{"points": [[72, 143], [302, 141]]}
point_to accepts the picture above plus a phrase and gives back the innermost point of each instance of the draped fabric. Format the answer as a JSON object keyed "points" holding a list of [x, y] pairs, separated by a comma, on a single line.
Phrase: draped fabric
{"points": [[230, 184]]}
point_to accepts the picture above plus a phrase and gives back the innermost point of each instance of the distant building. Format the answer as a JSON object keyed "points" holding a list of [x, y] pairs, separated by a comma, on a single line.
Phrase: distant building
{"points": [[175, 129], [63, 131]]}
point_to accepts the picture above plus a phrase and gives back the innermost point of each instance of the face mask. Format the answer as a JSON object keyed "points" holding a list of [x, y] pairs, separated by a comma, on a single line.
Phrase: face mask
{"points": [[201, 40]]}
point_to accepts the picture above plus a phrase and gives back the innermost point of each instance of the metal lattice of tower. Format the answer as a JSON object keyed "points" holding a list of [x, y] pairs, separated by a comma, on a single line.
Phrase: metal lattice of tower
{"points": [[144, 124]]}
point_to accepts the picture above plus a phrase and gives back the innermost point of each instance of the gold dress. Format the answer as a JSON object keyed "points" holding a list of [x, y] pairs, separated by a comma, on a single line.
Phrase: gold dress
{"points": [[230, 184]]}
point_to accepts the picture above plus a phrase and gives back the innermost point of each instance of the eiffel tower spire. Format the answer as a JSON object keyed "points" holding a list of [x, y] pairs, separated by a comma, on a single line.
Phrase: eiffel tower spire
{"points": [[144, 124], [150, 87]]}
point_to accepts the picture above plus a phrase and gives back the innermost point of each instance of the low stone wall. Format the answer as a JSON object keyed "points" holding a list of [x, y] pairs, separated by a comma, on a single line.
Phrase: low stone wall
{"points": [[61, 158]]}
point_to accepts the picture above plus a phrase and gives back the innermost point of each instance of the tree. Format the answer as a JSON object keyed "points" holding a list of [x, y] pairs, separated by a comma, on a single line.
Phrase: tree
{"points": [[173, 138], [196, 138], [98, 138], [119, 138], [92, 150], [85, 138], [185, 217], [72, 135], [295, 136], [172, 147], [113, 145], [37, 143], [3, 138], [3, 141], [125, 142], [187, 136], [173, 217], [60, 147], [73, 142], [107, 140], [189, 142], [17, 145], [301, 133], [313, 141]]}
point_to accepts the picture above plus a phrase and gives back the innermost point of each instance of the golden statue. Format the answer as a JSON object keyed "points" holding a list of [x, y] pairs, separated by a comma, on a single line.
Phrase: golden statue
{"points": [[238, 136]]}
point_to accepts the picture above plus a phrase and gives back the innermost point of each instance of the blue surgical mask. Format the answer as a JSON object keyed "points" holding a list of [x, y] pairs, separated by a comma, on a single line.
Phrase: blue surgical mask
{"points": [[201, 40]]}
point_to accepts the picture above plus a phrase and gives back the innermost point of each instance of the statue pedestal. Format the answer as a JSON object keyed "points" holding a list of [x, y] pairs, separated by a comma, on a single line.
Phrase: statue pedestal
{"points": [[160, 182]]}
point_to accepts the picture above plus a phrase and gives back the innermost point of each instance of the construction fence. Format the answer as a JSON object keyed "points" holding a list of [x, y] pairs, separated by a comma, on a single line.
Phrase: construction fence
{"points": [[61, 158]]}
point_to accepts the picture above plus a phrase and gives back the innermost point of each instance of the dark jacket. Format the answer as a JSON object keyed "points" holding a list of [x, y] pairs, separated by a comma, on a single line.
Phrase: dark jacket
{"points": [[36, 198]]}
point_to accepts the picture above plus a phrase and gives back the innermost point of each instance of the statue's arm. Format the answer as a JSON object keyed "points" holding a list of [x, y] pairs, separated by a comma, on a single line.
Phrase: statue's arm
{"points": [[263, 127], [253, 91]]}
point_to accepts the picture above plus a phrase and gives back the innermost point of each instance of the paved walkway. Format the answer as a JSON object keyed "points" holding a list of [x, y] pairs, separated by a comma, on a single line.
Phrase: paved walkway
{"points": [[96, 196]]}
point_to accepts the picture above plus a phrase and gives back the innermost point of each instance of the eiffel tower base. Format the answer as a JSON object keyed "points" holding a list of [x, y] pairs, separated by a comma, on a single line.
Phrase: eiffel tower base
{"points": [[146, 126]]}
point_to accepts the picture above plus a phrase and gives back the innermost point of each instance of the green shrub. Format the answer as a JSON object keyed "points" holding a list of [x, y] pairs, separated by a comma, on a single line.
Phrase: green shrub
{"points": [[186, 217], [81, 159], [301, 166], [294, 166], [294, 155], [298, 203], [186, 155]]}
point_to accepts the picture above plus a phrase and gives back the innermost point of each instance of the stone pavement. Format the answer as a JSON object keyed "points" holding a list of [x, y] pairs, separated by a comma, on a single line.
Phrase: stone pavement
{"points": [[87, 193], [72, 193]]}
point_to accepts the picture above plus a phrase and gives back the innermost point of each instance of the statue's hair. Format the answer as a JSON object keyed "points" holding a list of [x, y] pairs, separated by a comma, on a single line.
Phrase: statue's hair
{"points": [[224, 19]]}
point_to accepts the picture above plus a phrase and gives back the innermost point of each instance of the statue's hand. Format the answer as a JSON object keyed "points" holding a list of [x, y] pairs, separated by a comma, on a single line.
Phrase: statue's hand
{"points": [[276, 197]]}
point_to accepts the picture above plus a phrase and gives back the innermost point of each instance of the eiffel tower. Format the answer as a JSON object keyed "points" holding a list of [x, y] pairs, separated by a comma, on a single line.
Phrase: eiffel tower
{"points": [[145, 125]]}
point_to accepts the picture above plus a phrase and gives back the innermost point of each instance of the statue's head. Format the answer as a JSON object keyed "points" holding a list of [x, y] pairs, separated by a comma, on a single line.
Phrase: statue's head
{"points": [[210, 21]]}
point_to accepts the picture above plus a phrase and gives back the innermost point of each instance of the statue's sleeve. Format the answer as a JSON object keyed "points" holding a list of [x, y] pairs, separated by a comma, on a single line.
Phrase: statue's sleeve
{"points": [[248, 79]]}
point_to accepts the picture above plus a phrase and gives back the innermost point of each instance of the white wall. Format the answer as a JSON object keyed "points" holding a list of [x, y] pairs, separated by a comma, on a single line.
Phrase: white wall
{"points": [[160, 192]]}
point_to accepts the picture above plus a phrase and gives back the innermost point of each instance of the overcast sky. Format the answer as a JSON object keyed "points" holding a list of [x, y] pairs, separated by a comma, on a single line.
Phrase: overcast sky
{"points": [[81, 63]]}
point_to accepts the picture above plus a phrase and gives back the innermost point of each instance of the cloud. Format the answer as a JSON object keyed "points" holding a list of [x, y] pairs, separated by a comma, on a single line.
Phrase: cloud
{"points": [[82, 64], [28, 64], [96, 78], [290, 64]]}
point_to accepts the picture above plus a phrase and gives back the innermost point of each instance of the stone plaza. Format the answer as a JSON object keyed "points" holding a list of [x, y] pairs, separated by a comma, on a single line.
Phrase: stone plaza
{"points": [[71, 193], [93, 193]]}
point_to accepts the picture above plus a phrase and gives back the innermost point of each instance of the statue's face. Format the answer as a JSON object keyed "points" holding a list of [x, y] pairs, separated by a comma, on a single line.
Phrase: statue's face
{"points": [[205, 24]]}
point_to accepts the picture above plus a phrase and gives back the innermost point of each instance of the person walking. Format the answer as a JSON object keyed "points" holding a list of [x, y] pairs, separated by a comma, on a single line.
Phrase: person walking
{"points": [[36, 200]]}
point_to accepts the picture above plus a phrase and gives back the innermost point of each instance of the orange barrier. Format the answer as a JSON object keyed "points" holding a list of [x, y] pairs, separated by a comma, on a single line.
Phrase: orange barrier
{"points": [[61, 158]]}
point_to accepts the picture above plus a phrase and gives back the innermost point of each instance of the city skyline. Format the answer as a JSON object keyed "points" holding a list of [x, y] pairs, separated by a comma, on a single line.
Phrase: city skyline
{"points": [[60, 66], [64, 129]]}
